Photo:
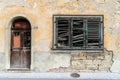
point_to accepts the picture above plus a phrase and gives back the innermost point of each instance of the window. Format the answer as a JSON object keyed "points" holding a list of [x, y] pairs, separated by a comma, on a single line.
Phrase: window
{"points": [[78, 32]]}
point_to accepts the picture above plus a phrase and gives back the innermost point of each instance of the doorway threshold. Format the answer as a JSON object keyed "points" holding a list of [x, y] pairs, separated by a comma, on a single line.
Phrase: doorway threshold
{"points": [[19, 69]]}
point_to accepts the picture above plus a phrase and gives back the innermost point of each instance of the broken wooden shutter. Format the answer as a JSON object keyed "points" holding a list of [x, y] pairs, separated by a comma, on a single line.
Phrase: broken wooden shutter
{"points": [[62, 36], [77, 33], [94, 30]]}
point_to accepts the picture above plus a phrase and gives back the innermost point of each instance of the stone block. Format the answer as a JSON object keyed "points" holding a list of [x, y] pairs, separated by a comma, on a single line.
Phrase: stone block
{"points": [[101, 57], [108, 57], [101, 68], [90, 57], [92, 67], [106, 63], [96, 61], [87, 61], [78, 64], [79, 67], [104, 67], [80, 56]]}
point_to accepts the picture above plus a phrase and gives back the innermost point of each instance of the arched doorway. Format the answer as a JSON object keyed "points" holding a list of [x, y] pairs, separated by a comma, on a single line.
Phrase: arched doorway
{"points": [[20, 56]]}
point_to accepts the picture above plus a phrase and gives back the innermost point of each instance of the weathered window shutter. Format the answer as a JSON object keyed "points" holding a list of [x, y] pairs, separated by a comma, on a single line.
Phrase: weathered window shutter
{"points": [[78, 34], [63, 29], [94, 31]]}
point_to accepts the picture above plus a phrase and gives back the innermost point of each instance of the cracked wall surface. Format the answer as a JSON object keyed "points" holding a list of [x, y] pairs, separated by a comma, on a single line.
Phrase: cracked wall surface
{"points": [[88, 62], [40, 13]]}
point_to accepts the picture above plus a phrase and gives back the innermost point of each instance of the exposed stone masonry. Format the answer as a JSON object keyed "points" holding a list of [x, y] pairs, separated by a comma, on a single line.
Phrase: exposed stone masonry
{"points": [[88, 62]]}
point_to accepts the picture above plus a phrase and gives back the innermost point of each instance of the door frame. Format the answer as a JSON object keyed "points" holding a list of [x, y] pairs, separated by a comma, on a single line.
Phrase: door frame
{"points": [[8, 39]]}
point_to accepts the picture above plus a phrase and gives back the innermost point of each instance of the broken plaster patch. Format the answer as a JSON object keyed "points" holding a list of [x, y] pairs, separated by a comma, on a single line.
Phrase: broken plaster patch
{"points": [[35, 5], [45, 61]]}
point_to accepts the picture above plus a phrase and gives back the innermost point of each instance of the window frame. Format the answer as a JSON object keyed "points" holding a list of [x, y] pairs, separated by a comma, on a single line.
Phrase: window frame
{"points": [[73, 16]]}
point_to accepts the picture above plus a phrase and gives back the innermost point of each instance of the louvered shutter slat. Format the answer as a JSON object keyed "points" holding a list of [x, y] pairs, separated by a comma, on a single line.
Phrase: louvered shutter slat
{"points": [[63, 33], [93, 34], [78, 33]]}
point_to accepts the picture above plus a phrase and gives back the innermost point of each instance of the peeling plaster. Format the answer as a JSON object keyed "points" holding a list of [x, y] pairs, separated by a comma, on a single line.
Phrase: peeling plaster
{"points": [[35, 5], [47, 61]]}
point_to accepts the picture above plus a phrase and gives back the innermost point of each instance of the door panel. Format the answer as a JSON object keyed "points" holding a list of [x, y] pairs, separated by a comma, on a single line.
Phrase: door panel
{"points": [[25, 61], [15, 59], [20, 49]]}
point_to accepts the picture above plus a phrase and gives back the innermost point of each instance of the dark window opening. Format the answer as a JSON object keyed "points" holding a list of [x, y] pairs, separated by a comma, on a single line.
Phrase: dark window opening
{"points": [[21, 24], [78, 32], [27, 39]]}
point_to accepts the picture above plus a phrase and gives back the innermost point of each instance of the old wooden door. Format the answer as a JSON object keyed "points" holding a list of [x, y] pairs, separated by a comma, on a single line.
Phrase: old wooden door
{"points": [[20, 44]]}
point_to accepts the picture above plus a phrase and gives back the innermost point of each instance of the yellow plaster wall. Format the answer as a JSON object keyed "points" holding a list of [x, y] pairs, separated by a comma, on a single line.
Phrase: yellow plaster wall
{"points": [[40, 13]]}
